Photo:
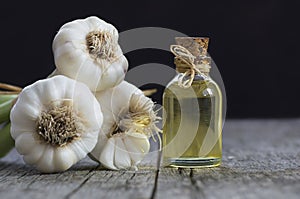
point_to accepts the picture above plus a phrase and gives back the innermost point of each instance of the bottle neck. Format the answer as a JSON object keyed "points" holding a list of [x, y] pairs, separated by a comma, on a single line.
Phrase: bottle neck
{"points": [[201, 67], [190, 64]]}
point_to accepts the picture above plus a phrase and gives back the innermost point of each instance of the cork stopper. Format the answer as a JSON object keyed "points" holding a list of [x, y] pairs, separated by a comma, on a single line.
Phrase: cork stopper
{"points": [[198, 47]]}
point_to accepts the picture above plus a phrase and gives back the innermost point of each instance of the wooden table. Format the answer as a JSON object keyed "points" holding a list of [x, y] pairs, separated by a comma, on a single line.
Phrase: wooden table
{"points": [[261, 159]]}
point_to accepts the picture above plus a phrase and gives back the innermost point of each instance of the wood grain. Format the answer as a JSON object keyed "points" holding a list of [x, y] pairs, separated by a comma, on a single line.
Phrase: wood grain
{"points": [[261, 159]]}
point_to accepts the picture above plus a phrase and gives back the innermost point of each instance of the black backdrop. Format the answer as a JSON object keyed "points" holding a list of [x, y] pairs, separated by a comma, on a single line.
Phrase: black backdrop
{"points": [[254, 43]]}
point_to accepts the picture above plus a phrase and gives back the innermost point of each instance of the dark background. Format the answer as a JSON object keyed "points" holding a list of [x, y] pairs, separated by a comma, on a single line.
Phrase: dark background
{"points": [[255, 44]]}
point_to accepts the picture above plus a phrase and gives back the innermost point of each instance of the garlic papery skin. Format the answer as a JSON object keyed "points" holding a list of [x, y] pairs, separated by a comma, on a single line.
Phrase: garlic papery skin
{"points": [[87, 50], [55, 123], [129, 121]]}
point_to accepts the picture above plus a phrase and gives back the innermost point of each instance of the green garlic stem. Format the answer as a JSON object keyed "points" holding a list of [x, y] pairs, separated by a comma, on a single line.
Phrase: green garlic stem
{"points": [[6, 141]]}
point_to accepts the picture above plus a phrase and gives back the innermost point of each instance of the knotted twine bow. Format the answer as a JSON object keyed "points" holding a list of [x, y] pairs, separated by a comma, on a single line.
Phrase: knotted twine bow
{"points": [[188, 58]]}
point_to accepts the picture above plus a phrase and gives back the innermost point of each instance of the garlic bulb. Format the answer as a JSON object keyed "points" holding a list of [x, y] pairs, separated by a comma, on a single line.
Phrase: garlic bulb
{"points": [[55, 123], [87, 50], [129, 121]]}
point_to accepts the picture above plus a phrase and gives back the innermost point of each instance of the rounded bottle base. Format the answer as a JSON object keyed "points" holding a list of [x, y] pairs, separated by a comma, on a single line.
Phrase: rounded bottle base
{"points": [[192, 162]]}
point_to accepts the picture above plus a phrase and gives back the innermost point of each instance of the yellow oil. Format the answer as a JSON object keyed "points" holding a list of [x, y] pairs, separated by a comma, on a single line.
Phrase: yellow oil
{"points": [[192, 132]]}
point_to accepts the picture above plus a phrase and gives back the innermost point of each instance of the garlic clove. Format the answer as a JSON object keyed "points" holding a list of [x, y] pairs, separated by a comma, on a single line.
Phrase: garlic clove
{"points": [[110, 99], [118, 68], [102, 140], [80, 149], [41, 98], [95, 74], [89, 142], [33, 105], [98, 24], [21, 125], [23, 141], [140, 140], [137, 147], [88, 110], [122, 157], [80, 25], [64, 158], [124, 150], [107, 154], [110, 121], [70, 35], [35, 155], [46, 163], [70, 60]]}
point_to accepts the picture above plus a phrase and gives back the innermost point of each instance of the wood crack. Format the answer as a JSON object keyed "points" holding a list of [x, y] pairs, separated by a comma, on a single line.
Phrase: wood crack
{"points": [[28, 187], [127, 183], [199, 190], [155, 184], [156, 175], [74, 191]]}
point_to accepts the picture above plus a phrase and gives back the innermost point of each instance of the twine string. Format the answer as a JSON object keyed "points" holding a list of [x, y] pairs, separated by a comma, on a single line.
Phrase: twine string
{"points": [[188, 58]]}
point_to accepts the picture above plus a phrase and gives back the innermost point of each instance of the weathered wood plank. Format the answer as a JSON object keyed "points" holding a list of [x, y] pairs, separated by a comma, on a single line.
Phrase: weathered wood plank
{"points": [[84, 178], [175, 183], [122, 184], [234, 183], [18, 180], [261, 159]]}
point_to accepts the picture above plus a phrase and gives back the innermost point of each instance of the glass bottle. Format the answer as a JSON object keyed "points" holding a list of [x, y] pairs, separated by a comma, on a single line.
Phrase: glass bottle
{"points": [[192, 132]]}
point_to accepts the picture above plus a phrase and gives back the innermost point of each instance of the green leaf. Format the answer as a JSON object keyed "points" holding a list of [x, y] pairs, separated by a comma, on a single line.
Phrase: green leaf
{"points": [[6, 141], [5, 108], [5, 98]]}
